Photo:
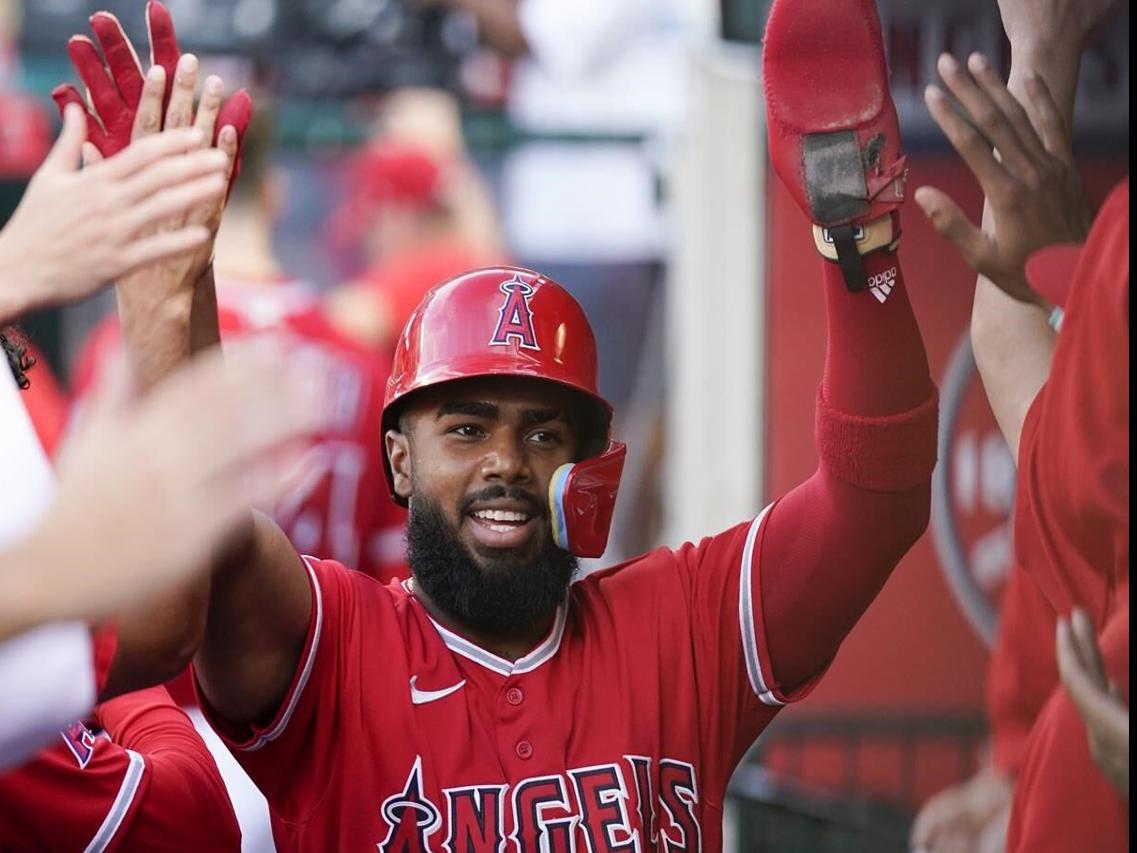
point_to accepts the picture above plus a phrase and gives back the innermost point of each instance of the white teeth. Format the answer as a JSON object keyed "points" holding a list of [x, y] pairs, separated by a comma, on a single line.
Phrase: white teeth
{"points": [[500, 515], [501, 528]]}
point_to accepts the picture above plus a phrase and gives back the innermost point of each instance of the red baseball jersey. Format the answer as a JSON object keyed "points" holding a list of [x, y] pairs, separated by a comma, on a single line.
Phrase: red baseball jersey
{"points": [[1072, 499], [147, 782], [1063, 801], [1023, 670], [1072, 536], [340, 506], [618, 732]]}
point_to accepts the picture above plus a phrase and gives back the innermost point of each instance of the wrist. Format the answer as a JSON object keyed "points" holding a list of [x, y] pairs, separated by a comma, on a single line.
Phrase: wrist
{"points": [[20, 290]]}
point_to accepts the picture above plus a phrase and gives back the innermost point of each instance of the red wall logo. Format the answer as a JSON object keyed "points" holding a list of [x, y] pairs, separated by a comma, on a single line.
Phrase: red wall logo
{"points": [[973, 492]]}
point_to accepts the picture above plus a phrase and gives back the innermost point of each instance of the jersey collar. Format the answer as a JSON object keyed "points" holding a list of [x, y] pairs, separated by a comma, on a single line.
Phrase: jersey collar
{"points": [[543, 651]]}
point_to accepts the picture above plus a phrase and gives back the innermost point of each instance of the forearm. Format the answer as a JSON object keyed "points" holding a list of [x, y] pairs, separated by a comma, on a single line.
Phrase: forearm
{"points": [[832, 542], [27, 601], [160, 335], [1012, 340]]}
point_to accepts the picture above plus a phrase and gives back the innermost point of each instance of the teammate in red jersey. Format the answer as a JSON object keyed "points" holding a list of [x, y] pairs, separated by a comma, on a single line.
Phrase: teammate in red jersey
{"points": [[1062, 402], [488, 699], [339, 506], [144, 782]]}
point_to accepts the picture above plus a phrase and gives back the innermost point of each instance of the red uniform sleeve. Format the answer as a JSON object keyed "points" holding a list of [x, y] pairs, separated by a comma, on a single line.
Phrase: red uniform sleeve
{"points": [[148, 783], [1022, 672], [184, 797]]}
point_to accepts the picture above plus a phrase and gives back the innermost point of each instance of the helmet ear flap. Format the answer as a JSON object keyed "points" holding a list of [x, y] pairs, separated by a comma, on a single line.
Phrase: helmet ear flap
{"points": [[582, 499]]}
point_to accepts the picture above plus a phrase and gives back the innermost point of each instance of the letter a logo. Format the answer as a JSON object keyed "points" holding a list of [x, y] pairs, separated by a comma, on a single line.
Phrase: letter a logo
{"points": [[516, 317]]}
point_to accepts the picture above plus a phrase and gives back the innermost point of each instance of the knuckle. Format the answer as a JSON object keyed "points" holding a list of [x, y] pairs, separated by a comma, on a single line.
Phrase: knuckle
{"points": [[989, 118]]}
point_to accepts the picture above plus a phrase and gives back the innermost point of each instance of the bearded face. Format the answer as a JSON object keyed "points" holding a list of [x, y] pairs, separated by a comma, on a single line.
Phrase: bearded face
{"points": [[474, 458]]}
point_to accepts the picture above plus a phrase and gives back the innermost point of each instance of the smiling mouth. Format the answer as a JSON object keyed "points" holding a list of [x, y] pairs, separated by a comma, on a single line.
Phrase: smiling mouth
{"points": [[499, 529], [501, 520]]}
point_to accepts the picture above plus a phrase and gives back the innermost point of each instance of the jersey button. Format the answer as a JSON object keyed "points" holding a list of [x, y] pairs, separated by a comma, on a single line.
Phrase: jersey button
{"points": [[514, 696], [524, 749]]}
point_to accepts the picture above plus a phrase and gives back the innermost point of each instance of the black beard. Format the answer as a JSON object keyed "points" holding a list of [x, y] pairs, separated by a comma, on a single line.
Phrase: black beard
{"points": [[514, 594]]}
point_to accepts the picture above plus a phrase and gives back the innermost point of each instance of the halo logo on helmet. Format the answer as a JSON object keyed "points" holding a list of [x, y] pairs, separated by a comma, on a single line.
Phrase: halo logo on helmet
{"points": [[516, 317], [445, 341]]}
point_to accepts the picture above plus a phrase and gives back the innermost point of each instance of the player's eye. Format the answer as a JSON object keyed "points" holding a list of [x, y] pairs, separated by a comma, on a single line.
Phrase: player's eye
{"points": [[546, 437], [467, 431]]}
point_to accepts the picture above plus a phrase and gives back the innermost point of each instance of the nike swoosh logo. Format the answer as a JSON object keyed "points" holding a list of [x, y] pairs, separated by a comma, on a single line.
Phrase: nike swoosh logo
{"points": [[421, 697]]}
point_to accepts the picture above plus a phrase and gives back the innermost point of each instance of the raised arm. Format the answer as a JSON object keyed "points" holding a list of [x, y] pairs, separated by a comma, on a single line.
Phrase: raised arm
{"points": [[829, 545], [1033, 195], [168, 315]]}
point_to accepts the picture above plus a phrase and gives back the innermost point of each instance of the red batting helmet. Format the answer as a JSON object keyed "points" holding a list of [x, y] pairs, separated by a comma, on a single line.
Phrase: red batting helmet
{"points": [[509, 321]]}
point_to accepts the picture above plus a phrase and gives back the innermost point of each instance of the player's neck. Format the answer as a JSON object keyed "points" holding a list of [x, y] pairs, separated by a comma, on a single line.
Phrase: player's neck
{"points": [[511, 648]]}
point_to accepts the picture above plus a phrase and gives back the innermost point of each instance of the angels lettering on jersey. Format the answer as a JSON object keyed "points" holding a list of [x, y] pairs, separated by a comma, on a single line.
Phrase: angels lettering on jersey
{"points": [[603, 808]]}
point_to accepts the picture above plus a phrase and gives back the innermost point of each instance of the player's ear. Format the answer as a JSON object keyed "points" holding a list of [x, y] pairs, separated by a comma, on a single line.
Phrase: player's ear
{"points": [[399, 454]]}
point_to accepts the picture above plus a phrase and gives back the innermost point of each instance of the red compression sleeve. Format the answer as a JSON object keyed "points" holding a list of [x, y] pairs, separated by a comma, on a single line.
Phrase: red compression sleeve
{"points": [[832, 542]]}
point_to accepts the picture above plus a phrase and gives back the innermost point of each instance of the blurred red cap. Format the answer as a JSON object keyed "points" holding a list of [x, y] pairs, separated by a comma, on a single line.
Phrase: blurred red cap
{"points": [[397, 174], [1050, 271]]}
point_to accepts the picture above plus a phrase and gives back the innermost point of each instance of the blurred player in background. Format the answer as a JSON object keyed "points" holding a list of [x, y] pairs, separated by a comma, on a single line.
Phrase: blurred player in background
{"points": [[419, 212]]}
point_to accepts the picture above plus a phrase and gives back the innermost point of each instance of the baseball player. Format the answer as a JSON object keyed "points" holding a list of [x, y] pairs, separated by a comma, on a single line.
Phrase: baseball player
{"points": [[487, 701], [141, 779], [1062, 401]]}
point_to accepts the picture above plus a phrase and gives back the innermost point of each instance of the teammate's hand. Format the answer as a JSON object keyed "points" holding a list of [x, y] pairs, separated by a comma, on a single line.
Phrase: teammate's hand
{"points": [[1105, 714], [77, 230], [1033, 191], [970, 817], [186, 462], [117, 90]]}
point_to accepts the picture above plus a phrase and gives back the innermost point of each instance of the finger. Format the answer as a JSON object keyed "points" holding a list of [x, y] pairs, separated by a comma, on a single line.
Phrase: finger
{"points": [[64, 95], [1072, 669], [173, 200], [179, 111], [983, 112], [104, 95], [210, 106], [227, 142], [167, 244], [90, 155], [1013, 112], [972, 146], [237, 113], [172, 171], [1044, 113], [148, 118], [1085, 638], [125, 69], [64, 154], [952, 224], [233, 122], [146, 151], [164, 49]]}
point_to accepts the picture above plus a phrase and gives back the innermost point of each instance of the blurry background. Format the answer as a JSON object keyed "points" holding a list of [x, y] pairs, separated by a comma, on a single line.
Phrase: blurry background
{"points": [[618, 146]]}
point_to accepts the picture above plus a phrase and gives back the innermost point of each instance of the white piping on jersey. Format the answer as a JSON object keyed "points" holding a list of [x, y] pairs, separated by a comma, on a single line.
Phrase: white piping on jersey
{"points": [[746, 616], [294, 699], [544, 651], [121, 804]]}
